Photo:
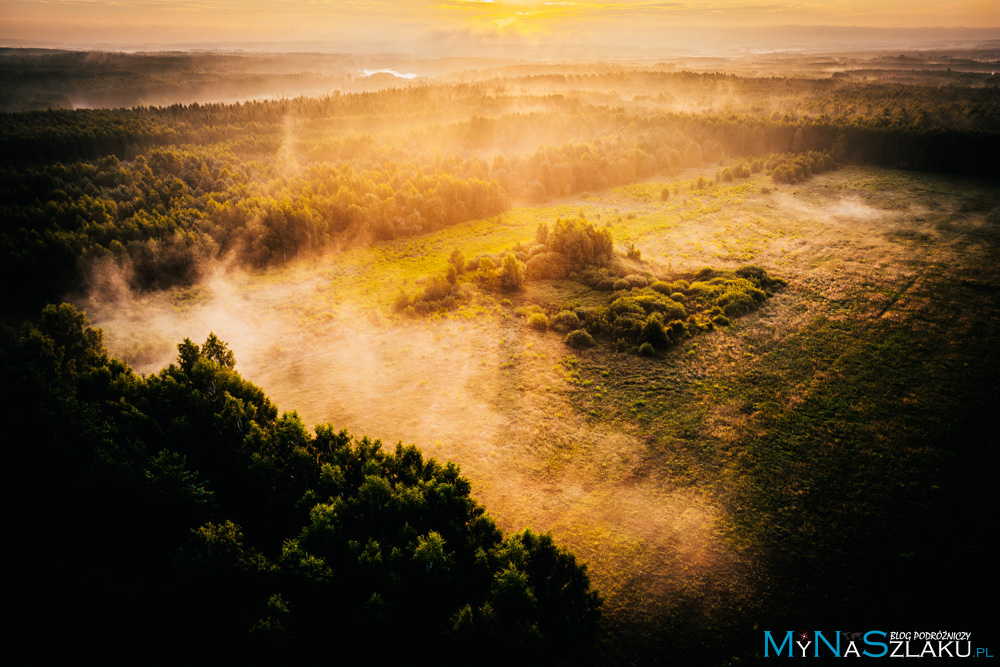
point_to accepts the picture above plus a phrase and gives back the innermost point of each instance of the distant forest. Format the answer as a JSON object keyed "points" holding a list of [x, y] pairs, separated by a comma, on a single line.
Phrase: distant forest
{"points": [[160, 189]]}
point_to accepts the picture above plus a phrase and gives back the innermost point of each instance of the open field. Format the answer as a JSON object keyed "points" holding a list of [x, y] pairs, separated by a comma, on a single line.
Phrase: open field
{"points": [[774, 469]]}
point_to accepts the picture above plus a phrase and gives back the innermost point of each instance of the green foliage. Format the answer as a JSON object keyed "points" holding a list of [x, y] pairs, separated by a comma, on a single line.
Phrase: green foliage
{"points": [[159, 189], [538, 321], [439, 293], [739, 298], [579, 338], [646, 350], [542, 233], [661, 287], [213, 350], [457, 260], [639, 315], [217, 351], [653, 332], [565, 320], [796, 168], [430, 551], [636, 280], [580, 243], [572, 247], [487, 275], [511, 274], [546, 265], [760, 278], [200, 514]]}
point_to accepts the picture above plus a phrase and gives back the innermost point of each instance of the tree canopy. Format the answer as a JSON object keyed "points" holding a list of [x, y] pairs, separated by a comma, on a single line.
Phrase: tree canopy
{"points": [[183, 505]]}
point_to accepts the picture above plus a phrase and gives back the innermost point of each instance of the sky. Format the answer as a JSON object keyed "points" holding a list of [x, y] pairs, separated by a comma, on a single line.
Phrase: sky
{"points": [[402, 25]]}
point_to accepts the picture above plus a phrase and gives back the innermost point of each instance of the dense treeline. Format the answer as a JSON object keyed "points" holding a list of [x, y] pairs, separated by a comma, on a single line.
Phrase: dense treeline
{"points": [[160, 189], [161, 215], [582, 108], [474, 118], [182, 506], [40, 79]]}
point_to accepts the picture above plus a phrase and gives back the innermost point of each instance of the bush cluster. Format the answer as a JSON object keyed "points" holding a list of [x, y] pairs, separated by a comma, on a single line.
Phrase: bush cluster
{"points": [[661, 314], [796, 168]]}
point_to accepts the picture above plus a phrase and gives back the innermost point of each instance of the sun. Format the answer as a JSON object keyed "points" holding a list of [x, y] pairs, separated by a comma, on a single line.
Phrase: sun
{"points": [[515, 18]]}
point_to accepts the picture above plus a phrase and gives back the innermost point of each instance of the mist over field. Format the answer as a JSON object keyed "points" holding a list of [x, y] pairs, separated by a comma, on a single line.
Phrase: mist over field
{"points": [[683, 337]]}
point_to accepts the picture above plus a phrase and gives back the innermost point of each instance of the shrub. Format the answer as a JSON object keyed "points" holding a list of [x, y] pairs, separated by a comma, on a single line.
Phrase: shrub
{"points": [[653, 333], [538, 321], [436, 289], [565, 321], [636, 280], [621, 284], [626, 304], [665, 194], [547, 265], [579, 339], [580, 243], [661, 287], [698, 290], [401, 302], [646, 350], [677, 331], [740, 297], [511, 274], [542, 233], [627, 326], [457, 259], [487, 275], [698, 323], [595, 320], [652, 302], [591, 277], [759, 276]]}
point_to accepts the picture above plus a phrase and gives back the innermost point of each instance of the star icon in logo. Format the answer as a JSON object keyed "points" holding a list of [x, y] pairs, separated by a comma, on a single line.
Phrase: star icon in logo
{"points": [[804, 636]]}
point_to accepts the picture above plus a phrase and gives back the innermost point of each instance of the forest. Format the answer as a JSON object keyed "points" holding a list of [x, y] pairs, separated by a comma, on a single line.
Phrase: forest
{"points": [[162, 189], [682, 348], [194, 511]]}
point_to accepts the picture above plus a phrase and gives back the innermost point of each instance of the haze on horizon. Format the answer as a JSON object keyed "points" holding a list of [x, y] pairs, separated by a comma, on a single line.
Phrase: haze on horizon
{"points": [[507, 27]]}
